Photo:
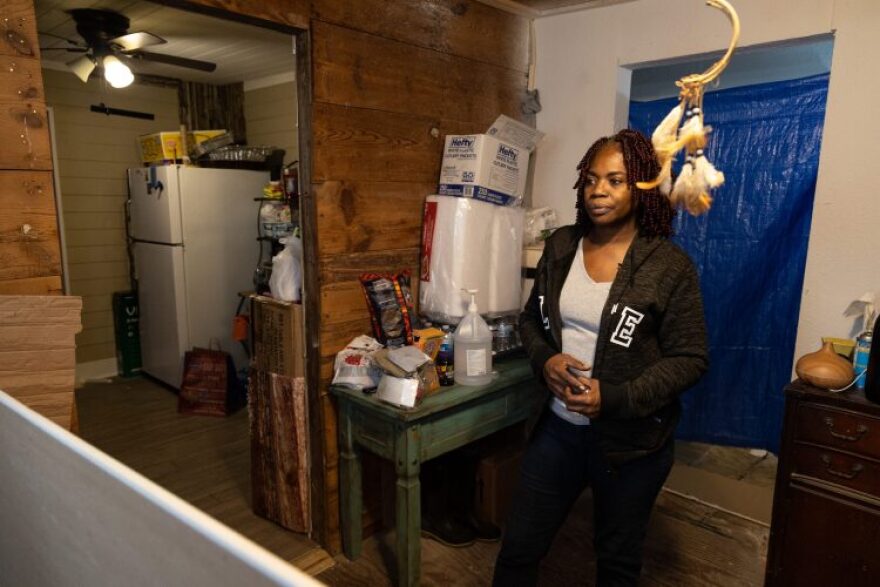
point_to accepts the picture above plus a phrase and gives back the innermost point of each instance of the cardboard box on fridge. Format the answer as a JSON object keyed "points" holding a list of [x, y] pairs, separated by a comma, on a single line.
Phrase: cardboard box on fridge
{"points": [[278, 336], [166, 146], [491, 167]]}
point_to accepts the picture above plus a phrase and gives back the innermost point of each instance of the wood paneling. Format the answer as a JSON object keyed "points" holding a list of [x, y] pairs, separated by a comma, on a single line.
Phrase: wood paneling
{"points": [[23, 119], [464, 28], [362, 70], [373, 145], [29, 249], [35, 286], [271, 13], [28, 226], [19, 20], [349, 267], [356, 217]]}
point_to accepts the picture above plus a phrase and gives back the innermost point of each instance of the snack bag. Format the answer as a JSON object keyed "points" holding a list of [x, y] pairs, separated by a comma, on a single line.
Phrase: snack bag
{"points": [[389, 300]]}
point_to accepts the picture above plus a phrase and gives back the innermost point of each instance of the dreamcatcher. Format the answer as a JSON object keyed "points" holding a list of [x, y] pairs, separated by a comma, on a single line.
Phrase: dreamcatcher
{"points": [[683, 128]]}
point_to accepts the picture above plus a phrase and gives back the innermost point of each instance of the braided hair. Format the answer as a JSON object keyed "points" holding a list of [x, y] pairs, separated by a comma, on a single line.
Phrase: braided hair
{"points": [[654, 212]]}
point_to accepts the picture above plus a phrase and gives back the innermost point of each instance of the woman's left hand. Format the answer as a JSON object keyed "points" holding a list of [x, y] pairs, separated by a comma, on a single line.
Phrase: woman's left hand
{"points": [[588, 403]]}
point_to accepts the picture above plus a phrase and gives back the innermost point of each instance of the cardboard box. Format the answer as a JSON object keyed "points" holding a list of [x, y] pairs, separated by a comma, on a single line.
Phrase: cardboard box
{"points": [[429, 340], [497, 476], [484, 168], [160, 147], [278, 335]]}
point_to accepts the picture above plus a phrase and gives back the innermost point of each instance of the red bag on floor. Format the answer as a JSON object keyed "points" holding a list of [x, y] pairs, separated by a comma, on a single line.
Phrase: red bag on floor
{"points": [[209, 387]]}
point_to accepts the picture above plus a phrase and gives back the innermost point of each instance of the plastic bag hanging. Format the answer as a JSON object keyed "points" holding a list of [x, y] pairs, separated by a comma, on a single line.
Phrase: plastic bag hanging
{"points": [[697, 176]]}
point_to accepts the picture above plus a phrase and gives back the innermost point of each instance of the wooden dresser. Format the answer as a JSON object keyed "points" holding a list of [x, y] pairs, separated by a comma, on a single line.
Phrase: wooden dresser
{"points": [[826, 509]]}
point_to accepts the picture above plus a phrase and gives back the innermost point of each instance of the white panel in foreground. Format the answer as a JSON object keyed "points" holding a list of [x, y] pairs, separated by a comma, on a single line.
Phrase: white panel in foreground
{"points": [[71, 515]]}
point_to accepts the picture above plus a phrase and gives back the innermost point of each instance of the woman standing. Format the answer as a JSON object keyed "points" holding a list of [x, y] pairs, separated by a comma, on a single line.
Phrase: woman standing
{"points": [[614, 329]]}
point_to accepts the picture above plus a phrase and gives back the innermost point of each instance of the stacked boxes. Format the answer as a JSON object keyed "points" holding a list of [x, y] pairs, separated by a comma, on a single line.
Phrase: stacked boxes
{"points": [[278, 408]]}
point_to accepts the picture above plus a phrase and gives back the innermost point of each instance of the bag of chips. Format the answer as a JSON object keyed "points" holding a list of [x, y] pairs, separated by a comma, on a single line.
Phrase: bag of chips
{"points": [[389, 300]]}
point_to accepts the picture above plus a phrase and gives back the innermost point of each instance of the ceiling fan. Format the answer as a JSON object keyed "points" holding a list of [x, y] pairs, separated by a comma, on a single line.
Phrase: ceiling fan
{"points": [[108, 44]]}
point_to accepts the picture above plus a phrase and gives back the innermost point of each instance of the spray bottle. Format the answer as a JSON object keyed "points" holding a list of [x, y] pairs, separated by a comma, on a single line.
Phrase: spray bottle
{"points": [[473, 347], [864, 339]]}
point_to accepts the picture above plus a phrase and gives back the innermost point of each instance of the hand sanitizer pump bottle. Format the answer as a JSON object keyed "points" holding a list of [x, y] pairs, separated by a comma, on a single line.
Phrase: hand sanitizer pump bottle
{"points": [[473, 347]]}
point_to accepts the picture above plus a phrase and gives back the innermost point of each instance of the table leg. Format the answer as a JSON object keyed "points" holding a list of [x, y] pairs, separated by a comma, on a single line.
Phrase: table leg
{"points": [[409, 513], [350, 488]]}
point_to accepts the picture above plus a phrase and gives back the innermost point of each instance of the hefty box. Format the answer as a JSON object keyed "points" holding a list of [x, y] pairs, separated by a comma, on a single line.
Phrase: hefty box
{"points": [[484, 168]]}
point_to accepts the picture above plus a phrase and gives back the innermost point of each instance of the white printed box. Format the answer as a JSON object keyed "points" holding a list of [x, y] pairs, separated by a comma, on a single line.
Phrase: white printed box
{"points": [[484, 168]]}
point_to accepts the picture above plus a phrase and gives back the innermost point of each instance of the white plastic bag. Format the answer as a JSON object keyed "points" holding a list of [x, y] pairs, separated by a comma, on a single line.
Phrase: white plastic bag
{"points": [[286, 280], [353, 366], [540, 222]]}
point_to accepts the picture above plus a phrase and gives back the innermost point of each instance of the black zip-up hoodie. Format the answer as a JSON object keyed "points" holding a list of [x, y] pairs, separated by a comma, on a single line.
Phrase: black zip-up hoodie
{"points": [[651, 345]]}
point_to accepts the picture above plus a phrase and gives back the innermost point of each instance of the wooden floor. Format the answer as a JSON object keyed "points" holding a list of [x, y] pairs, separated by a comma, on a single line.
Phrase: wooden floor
{"points": [[691, 541], [710, 526], [203, 460]]}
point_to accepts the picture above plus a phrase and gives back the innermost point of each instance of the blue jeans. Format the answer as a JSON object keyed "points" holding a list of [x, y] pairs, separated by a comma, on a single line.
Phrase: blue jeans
{"points": [[561, 461]]}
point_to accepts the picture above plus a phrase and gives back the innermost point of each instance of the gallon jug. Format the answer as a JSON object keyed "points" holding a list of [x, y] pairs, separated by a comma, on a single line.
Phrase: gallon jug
{"points": [[473, 347]]}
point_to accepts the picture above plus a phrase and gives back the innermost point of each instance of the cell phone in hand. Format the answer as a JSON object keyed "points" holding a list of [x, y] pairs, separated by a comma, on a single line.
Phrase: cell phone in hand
{"points": [[578, 373]]}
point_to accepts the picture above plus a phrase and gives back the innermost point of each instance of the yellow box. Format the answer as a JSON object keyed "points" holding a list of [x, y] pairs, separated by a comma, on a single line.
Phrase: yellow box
{"points": [[429, 341], [166, 146]]}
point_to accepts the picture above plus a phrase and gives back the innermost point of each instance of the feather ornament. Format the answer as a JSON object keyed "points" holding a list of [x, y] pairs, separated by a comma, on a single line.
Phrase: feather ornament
{"points": [[665, 141], [691, 191], [698, 175], [704, 168]]}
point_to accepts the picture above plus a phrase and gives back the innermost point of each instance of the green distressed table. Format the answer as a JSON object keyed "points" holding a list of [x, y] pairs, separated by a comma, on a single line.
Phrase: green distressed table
{"points": [[442, 422]]}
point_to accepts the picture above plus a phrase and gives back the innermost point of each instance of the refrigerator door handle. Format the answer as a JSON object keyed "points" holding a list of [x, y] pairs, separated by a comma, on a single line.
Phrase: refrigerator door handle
{"points": [[154, 184]]}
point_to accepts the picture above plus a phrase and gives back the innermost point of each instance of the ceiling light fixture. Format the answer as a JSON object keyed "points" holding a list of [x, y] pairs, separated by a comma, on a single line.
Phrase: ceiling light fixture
{"points": [[116, 72]]}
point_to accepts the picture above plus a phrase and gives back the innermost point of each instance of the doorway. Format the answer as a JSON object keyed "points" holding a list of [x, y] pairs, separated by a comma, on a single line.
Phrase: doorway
{"points": [[203, 460], [751, 248]]}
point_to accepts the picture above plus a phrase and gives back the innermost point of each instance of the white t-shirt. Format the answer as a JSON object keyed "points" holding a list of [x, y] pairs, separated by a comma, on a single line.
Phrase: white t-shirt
{"points": [[580, 305]]}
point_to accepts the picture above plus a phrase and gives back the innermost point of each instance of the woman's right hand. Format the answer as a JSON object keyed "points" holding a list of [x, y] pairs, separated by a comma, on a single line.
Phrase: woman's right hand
{"points": [[558, 376]]}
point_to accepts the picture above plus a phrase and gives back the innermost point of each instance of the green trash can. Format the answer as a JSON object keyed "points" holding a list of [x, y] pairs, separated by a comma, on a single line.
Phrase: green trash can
{"points": [[126, 322]]}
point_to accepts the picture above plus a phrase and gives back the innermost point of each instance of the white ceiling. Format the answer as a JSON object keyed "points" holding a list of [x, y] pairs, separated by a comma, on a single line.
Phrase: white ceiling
{"points": [[241, 52]]}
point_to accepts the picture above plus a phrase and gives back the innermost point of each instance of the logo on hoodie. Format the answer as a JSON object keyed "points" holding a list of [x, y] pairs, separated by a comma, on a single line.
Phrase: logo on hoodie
{"points": [[623, 333]]}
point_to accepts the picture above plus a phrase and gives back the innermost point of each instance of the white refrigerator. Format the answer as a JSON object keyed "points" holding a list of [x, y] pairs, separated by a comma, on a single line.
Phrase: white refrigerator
{"points": [[194, 232]]}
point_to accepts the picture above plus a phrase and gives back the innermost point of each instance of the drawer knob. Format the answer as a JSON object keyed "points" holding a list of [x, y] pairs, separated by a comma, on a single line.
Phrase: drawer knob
{"points": [[854, 470], [861, 430]]}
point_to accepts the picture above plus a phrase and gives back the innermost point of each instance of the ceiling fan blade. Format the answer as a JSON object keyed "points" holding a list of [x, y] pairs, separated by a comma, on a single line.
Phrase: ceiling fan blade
{"points": [[68, 49], [174, 60], [82, 67], [135, 41]]}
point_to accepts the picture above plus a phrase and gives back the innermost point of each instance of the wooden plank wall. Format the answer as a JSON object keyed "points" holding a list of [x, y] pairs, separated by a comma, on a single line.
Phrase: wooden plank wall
{"points": [[389, 80], [30, 254]]}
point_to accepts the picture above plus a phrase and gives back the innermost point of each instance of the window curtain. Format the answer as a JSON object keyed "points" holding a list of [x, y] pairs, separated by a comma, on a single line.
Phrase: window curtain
{"points": [[206, 106]]}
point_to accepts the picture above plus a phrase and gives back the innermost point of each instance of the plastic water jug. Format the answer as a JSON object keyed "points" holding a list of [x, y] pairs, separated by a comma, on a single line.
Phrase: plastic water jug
{"points": [[473, 347]]}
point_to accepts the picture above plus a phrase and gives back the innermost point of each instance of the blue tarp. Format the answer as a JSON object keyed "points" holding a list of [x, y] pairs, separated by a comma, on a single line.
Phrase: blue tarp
{"points": [[750, 250]]}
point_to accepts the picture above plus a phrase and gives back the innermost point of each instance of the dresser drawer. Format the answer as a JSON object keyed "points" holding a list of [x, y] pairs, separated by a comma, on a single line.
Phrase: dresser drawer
{"points": [[857, 433], [839, 468]]}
